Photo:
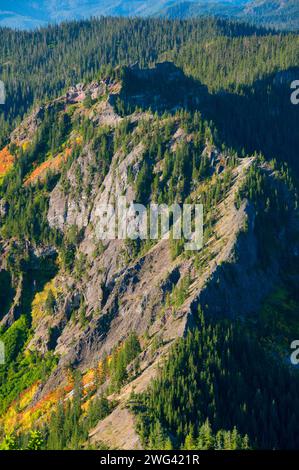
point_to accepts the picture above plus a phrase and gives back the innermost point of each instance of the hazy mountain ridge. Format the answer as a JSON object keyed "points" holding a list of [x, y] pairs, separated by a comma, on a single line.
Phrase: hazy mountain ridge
{"points": [[187, 9], [27, 14], [283, 14], [280, 13]]}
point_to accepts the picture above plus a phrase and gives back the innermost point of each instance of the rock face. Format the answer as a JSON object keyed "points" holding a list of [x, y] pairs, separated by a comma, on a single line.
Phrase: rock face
{"points": [[131, 297], [117, 431], [122, 291], [26, 131]]}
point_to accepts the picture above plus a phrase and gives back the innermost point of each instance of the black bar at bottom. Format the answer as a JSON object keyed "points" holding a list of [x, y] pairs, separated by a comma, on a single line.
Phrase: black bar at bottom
{"points": [[134, 459]]}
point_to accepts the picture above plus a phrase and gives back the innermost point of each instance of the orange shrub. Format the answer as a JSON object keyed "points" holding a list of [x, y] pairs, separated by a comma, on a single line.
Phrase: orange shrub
{"points": [[6, 161]]}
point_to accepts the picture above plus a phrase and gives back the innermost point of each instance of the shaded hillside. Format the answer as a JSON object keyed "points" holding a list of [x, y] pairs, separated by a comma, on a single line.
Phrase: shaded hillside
{"points": [[88, 317]]}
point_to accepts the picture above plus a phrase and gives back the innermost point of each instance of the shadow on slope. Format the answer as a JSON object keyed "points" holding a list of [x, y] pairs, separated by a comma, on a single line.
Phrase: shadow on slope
{"points": [[259, 118]]}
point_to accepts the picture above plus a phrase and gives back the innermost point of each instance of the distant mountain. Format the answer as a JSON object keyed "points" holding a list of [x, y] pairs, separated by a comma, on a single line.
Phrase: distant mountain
{"points": [[279, 13], [283, 14], [29, 14], [189, 9]]}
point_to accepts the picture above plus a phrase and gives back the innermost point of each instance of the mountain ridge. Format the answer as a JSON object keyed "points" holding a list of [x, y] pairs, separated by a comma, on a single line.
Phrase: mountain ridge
{"points": [[125, 343], [100, 292], [27, 14]]}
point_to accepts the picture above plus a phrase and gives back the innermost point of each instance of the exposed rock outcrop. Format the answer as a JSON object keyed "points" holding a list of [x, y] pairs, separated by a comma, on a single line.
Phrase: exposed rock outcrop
{"points": [[118, 291]]}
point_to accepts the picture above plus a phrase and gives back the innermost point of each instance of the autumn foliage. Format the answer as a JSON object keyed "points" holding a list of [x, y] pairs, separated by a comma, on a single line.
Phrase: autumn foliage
{"points": [[50, 165], [6, 161]]}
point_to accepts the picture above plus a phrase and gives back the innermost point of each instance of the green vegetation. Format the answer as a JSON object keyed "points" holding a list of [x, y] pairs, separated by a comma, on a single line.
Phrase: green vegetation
{"points": [[68, 427], [23, 369], [239, 59], [272, 209], [121, 357], [227, 384], [22, 372]]}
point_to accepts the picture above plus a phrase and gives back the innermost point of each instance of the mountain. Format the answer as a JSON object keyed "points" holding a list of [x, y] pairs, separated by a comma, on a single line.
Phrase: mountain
{"points": [[279, 13], [28, 14], [221, 8], [112, 310], [131, 343]]}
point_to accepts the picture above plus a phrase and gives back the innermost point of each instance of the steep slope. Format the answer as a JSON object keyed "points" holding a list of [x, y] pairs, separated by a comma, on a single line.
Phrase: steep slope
{"points": [[80, 301]]}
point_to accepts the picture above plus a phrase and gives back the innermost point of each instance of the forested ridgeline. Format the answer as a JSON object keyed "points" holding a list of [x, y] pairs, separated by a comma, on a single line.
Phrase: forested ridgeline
{"points": [[226, 56], [38, 64], [41, 63]]}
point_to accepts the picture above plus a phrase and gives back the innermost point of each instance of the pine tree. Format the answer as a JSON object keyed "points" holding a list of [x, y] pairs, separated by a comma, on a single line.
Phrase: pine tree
{"points": [[36, 441]]}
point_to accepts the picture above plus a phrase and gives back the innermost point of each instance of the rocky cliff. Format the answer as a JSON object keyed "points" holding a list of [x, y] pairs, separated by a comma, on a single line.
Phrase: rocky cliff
{"points": [[121, 131]]}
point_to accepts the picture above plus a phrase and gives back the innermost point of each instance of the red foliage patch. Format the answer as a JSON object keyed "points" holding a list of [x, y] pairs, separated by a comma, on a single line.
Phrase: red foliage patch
{"points": [[53, 164], [6, 161]]}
